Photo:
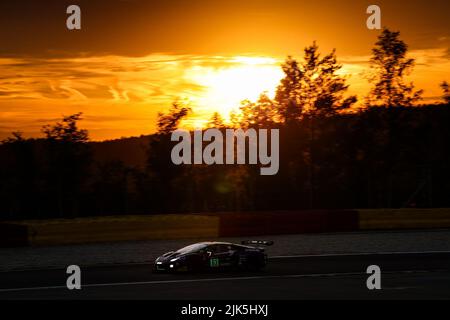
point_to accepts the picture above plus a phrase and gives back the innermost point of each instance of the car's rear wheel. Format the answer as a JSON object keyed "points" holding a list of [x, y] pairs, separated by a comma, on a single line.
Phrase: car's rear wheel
{"points": [[249, 263]]}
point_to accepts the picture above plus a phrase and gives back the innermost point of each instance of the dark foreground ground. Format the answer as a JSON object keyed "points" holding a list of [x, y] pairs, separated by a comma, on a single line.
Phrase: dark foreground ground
{"points": [[404, 276]]}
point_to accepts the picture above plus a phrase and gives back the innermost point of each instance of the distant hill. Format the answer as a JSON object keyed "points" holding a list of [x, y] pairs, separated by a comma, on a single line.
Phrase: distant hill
{"points": [[131, 151]]}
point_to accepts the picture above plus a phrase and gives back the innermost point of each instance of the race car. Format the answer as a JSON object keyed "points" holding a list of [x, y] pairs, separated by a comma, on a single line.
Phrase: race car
{"points": [[206, 256]]}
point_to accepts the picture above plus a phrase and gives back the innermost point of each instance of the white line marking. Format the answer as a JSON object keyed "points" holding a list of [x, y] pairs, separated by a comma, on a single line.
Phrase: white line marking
{"points": [[97, 285], [356, 254], [399, 288]]}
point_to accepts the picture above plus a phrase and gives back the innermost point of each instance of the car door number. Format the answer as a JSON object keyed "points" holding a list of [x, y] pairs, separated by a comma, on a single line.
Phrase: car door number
{"points": [[214, 263]]}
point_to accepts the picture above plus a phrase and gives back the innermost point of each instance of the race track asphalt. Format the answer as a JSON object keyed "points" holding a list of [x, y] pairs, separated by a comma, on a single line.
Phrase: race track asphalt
{"points": [[403, 276]]}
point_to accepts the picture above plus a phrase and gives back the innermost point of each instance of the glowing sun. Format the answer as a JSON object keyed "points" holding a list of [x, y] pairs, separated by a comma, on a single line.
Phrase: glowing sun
{"points": [[238, 79]]}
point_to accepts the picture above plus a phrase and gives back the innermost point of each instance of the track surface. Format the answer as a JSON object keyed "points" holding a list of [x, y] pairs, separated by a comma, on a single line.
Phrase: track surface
{"points": [[404, 276]]}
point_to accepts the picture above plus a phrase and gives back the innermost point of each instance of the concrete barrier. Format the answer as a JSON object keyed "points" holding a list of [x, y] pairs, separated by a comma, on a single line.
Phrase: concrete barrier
{"points": [[125, 228], [287, 222], [13, 235], [212, 226], [385, 219]]}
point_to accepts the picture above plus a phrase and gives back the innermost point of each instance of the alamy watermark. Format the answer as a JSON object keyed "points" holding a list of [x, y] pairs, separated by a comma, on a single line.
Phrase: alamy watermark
{"points": [[374, 20], [231, 149], [73, 21], [74, 279], [374, 280]]}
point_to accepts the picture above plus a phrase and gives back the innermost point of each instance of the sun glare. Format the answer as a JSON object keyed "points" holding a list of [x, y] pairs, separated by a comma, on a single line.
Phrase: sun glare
{"points": [[241, 78]]}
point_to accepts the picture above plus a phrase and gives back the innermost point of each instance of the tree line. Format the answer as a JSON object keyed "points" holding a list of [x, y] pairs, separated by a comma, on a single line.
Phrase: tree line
{"points": [[390, 152]]}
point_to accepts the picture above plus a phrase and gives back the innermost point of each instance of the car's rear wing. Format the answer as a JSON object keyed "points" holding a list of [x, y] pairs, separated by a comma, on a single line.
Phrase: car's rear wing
{"points": [[257, 242]]}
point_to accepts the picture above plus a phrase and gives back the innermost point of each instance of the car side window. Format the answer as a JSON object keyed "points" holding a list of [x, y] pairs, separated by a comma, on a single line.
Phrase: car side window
{"points": [[212, 248], [222, 248], [219, 248]]}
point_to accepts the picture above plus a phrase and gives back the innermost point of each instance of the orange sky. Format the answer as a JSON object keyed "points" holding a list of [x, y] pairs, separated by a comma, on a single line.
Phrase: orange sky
{"points": [[133, 58]]}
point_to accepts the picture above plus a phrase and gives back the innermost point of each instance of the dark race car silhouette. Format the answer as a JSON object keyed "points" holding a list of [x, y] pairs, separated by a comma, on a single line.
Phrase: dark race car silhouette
{"points": [[210, 256]]}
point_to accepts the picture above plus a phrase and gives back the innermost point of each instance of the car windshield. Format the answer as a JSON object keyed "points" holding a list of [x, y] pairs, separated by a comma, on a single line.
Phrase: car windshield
{"points": [[192, 248]]}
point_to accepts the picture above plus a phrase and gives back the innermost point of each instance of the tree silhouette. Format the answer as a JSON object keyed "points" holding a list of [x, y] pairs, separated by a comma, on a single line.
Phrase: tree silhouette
{"points": [[68, 162], [290, 106], [446, 89], [313, 87], [160, 168], [323, 89], [262, 113], [67, 130], [311, 91], [216, 121], [19, 177], [169, 122], [391, 66], [17, 136]]}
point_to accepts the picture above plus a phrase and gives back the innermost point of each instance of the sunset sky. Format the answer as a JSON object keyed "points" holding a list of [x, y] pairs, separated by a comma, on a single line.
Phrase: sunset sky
{"points": [[133, 58]]}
